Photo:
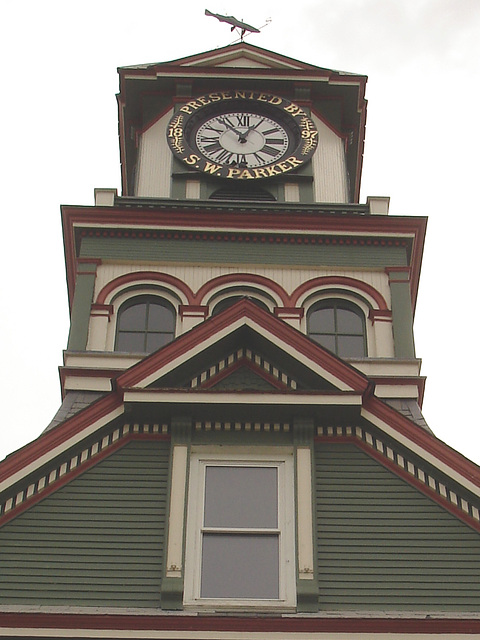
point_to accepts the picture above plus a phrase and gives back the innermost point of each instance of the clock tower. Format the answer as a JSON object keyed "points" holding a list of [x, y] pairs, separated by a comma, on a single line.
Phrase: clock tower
{"points": [[240, 450]]}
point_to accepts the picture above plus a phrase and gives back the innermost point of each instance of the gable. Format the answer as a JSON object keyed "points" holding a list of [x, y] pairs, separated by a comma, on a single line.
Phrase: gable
{"points": [[242, 378], [382, 543], [97, 541]]}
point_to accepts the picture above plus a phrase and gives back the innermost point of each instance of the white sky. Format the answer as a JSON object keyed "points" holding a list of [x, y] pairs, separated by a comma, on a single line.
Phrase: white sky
{"points": [[59, 141]]}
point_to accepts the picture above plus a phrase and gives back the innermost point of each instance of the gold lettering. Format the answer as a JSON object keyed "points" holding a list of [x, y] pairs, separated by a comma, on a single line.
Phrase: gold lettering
{"points": [[193, 104], [240, 94], [211, 168], [214, 97], [283, 166], [272, 171], [260, 173], [294, 110], [295, 162], [275, 100], [262, 97], [246, 175], [203, 100], [226, 95], [192, 159], [233, 173]]}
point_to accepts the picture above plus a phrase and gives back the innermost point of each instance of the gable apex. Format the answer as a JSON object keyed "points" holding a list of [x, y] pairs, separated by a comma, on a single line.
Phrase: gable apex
{"points": [[238, 55], [245, 316]]}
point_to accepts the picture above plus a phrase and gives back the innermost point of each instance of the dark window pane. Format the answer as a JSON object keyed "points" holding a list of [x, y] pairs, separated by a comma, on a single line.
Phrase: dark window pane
{"points": [[326, 341], [149, 318], [133, 318], [240, 566], [157, 340], [339, 328], [128, 341], [241, 497], [351, 346], [349, 322], [159, 318], [322, 321]]}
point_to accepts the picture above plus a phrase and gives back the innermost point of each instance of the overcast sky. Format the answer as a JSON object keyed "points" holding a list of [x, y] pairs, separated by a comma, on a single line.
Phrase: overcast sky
{"points": [[59, 141]]}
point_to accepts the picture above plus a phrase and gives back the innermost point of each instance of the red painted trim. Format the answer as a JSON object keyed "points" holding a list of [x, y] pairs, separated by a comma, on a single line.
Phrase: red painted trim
{"points": [[96, 261], [418, 381], [138, 277], [424, 439], [380, 315], [101, 310], [56, 437], [193, 311], [289, 312], [341, 281], [243, 362], [402, 473], [242, 278], [71, 475], [233, 51], [268, 624]]}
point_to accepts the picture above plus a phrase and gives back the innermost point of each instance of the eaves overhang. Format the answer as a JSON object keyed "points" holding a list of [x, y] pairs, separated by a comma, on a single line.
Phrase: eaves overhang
{"points": [[290, 224]]}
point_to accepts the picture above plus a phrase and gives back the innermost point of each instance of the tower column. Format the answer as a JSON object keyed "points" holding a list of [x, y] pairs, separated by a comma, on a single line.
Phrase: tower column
{"points": [[82, 303], [402, 312]]}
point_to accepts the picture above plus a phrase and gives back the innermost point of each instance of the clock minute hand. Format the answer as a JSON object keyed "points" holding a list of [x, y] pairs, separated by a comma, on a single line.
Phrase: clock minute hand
{"points": [[229, 126]]}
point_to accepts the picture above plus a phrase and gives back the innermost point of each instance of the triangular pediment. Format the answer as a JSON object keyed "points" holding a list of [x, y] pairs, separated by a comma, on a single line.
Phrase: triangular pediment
{"points": [[245, 332], [242, 55]]}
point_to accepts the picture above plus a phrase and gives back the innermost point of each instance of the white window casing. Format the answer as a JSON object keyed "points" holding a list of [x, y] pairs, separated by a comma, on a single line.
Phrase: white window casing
{"points": [[240, 541]]}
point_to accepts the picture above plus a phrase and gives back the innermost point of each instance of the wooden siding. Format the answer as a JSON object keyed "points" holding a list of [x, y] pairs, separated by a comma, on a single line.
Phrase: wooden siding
{"points": [[384, 545], [197, 275], [97, 541], [329, 166], [242, 252], [154, 161]]}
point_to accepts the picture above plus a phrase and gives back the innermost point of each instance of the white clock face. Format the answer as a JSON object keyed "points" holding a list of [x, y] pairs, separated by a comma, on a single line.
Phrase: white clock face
{"points": [[242, 139]]}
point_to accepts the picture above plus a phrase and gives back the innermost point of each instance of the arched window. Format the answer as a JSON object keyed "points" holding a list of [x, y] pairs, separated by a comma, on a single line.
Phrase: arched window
{"points": [[339, 326], [228, 302], [144, 324]]}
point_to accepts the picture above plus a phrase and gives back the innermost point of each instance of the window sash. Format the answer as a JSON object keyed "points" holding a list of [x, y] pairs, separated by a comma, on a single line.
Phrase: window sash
{"points": [[283, 532]]}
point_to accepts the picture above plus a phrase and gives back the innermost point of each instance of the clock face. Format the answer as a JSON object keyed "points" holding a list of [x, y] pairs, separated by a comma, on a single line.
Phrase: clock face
{"points": [[242, 135], [242, 139]]}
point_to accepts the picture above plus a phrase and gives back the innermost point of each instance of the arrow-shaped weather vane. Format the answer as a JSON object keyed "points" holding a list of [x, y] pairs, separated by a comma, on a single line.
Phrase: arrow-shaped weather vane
{"points": [[236, 24]]}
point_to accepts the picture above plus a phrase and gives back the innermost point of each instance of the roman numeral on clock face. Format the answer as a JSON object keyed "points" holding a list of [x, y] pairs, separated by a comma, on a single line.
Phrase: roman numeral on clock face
{"points": [[269, 150], [243, 120]]}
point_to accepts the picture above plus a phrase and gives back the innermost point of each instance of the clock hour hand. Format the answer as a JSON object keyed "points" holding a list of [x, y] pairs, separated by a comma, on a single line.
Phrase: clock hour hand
{"points": [[243, 137]]}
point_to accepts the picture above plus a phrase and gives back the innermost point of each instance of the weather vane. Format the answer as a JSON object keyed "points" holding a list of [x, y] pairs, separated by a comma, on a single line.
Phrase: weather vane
{"points": [[236, 24]]}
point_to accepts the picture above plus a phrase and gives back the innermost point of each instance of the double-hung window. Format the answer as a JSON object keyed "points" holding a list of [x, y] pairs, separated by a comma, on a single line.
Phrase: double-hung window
{"points": [[240, 531]]}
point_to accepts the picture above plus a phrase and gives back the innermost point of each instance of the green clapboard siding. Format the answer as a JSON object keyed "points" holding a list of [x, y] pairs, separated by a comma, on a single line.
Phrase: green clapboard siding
{"points": [[96, 542], [242, 252], [384, 545]]}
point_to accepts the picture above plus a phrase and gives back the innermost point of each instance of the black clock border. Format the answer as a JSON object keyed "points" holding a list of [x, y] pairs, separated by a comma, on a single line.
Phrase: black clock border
{"points": [[192, 114]]}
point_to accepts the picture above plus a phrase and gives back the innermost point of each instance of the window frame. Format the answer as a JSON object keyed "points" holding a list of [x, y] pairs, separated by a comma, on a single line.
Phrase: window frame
{"points": [[335, 304], [149, 299], [283, 462]]}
